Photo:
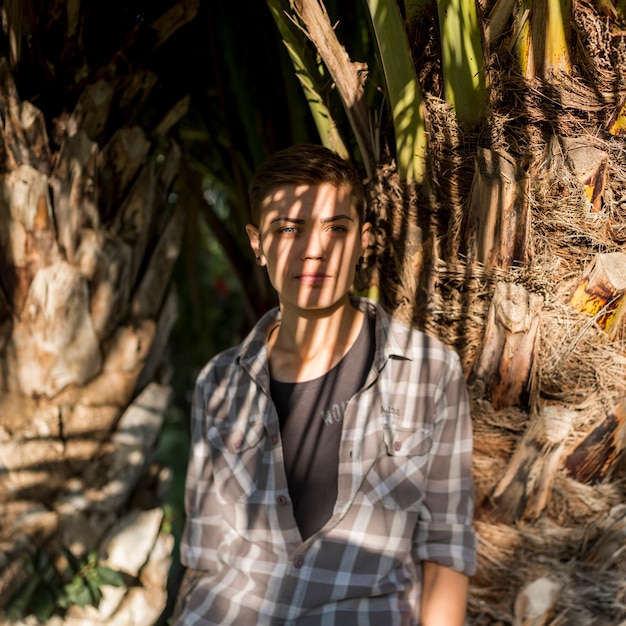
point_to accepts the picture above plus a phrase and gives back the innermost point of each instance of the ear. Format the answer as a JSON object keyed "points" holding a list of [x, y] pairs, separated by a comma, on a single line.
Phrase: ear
{"points": [[366, 229], [255, 243]]}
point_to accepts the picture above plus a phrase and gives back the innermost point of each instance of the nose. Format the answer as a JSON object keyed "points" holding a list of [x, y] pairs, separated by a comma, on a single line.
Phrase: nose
{"points": [[313, 246]]}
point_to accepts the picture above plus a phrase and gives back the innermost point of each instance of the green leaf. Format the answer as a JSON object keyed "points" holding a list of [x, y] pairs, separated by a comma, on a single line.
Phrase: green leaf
{"points": [[78, 592], [42, 604], [109, 576], [50, 575], [94, 587], [92, 558], [42, 561], [73, 564], [308, 73], [463, 59], [63, 601], [29, 566], [16, 608], [402, 89], [44, 593]]}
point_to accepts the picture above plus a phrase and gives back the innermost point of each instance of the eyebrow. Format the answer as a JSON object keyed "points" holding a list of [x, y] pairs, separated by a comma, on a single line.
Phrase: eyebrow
{"points": [[291, 220], [324, 220], [336, 218]]}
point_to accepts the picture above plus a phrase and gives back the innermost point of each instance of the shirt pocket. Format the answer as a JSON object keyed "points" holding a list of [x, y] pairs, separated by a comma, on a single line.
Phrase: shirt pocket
{"points": [[407, 442], [396, 479], [236, 456]]}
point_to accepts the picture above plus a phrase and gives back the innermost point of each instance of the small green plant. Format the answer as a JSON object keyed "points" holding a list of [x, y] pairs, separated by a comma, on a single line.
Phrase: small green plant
{"points": [[48, 591]]}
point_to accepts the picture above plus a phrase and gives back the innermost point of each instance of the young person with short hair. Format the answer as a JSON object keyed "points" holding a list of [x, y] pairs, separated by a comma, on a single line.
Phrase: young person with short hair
{"points": [[329, 481]]}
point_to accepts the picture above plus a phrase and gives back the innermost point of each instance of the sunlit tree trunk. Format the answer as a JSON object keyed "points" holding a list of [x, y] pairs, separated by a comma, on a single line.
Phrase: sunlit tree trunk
{"points": [[89, 234], [512, 252]]}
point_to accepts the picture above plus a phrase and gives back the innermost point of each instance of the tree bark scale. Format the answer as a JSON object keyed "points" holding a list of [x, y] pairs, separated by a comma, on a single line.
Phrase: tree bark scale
{"points": [[601, 290], [524, 490], [118, 164], [590, 166], [73, 183], [505, 368], [104, 260], [27, 237], [54, 341], [601, 451], [497, 227]]}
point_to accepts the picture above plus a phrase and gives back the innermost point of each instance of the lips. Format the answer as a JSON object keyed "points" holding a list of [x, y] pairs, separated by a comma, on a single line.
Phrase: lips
{"points": [[312, 278]]}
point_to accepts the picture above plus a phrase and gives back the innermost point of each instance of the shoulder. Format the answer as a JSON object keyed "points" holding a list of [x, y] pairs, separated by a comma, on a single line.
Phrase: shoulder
{"points": [[397, 340], [218, 366], [249, 356], [423, 345], [405, 341]]}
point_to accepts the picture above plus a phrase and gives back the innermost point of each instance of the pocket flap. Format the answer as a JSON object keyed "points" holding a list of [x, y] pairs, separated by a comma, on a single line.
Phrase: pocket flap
{"points": [[238, 440], [407, 442]]}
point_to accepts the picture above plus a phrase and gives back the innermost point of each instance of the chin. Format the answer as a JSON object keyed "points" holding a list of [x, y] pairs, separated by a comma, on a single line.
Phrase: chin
{"points": [[319, 304]]}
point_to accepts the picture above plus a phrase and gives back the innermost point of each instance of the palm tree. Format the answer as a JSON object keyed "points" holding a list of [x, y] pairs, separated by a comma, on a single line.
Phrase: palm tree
{"points": [[489, 136], [497, 181], [126, 129], [90, 229]]}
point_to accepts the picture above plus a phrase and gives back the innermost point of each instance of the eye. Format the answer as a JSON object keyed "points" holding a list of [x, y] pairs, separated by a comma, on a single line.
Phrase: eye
{"points": [[337, 229], [288, 230]]}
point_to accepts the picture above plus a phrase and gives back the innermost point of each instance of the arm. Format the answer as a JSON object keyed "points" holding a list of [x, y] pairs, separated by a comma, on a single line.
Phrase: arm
{"points": [[444, 597], [201, 527], [445, 539]]}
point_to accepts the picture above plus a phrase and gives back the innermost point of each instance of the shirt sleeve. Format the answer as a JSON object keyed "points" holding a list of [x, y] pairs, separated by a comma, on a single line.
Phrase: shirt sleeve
{"points": [[197, 549], [445, 532]]}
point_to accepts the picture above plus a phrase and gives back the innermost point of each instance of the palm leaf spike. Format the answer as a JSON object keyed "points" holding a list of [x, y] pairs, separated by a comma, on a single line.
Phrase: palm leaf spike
{"points": [[558, 17], [402, 89], [348, 77], [497, 20], [322, 117], [463, 61], [307, 72], [544, 35]]}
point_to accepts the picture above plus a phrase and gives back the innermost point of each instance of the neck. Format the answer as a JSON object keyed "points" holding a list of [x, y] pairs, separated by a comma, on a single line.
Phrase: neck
{"points": [[307, 344]]}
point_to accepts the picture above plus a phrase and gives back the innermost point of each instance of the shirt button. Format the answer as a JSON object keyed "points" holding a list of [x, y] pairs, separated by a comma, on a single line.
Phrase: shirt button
{"points": [[281, 500], [298, 562], [397, 446], [274, 439], [238, 444]]}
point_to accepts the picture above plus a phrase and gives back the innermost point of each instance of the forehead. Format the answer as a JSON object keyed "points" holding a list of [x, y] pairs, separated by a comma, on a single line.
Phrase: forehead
{"points": [[305, 201]]}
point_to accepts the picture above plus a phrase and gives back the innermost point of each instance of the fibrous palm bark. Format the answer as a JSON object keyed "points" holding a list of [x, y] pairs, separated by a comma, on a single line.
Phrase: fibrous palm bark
{"points": [[89, 234], [512, 252]]}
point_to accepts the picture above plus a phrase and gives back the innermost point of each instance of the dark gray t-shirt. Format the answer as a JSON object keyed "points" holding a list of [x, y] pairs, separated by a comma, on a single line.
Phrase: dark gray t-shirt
{"points": [[311, 416]]}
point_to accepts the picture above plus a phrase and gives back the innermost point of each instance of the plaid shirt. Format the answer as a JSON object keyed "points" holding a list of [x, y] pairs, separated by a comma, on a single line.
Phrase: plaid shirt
{"points": [[404, 492]]}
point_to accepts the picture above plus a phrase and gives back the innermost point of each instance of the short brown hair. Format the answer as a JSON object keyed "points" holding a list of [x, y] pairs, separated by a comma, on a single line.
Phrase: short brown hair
{"points": [[305, 164]]}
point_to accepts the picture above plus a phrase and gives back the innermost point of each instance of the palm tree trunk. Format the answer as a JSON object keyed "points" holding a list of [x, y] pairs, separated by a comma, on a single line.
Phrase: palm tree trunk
{"points": [[88, 241], [512, 253]]}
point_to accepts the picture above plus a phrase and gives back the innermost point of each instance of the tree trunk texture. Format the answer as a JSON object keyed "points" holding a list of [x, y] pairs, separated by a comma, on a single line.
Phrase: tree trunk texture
{"points": [[520, 266], [601, 290], [505, 367], [88, 241], [498, 215]]}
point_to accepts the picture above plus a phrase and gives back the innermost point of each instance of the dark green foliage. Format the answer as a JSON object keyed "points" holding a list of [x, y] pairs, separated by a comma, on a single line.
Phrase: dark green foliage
{"points": [[49, 591]]}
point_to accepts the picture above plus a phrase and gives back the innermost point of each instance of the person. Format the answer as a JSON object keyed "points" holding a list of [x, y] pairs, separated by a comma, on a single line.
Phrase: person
{"points": [[329, 481]]}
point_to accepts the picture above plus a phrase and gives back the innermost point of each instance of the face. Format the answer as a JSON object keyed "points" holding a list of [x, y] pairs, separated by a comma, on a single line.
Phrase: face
{"points": [[310, 240]]}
